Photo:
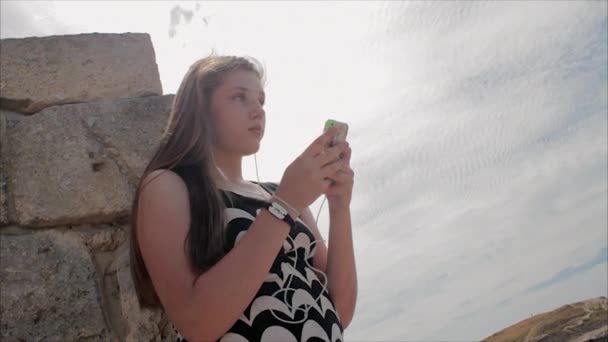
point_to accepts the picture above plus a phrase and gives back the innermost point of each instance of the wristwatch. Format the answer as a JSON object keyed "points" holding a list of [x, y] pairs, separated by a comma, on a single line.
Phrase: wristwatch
{"points": [[278, 211]]}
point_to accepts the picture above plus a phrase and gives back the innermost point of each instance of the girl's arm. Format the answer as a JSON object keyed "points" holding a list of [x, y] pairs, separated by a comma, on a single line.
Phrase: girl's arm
{"points": [[220, 295]]}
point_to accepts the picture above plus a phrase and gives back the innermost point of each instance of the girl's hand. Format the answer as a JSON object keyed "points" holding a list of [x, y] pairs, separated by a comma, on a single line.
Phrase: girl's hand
{"points": [[309, 176], [339, 193]]}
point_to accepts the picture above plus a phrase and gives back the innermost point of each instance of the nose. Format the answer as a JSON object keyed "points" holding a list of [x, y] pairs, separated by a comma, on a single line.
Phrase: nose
{"points": [[257, 111]]}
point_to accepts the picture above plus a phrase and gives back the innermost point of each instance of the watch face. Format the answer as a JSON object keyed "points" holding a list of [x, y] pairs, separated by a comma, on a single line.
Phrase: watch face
{"points": [[276, 211], [279, 208]]}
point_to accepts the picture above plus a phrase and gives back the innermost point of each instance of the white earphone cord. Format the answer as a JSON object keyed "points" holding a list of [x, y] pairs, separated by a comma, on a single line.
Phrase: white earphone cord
{"points": [[290, 277]]}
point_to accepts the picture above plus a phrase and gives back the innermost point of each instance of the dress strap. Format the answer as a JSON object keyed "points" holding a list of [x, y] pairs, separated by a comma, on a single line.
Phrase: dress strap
{"points": [[268, 185]]}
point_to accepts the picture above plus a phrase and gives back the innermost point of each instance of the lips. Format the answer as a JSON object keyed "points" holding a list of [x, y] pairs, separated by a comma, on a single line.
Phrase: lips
{"points": [[257, 129]]}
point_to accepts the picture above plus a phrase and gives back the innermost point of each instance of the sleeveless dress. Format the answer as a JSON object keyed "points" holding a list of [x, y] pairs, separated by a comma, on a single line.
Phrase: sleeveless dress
{"points": [[291, 304]]}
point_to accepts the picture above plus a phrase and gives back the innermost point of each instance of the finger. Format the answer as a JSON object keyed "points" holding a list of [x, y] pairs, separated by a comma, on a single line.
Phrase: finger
{"points": [[321, 142], [329, 155], [343, 175], [346, 154], [326, 184], [333, 154], [331, 169]]}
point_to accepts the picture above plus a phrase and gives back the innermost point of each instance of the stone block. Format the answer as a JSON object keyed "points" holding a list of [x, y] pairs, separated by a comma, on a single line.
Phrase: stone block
{"points": [[40, 72], [48, 289]]}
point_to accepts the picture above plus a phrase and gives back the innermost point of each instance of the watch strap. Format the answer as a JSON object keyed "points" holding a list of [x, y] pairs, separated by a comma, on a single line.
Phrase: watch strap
{"points": [[278, 211]]}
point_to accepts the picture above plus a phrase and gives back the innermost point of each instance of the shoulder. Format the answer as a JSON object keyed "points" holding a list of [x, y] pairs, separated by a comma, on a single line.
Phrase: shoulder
{"points": [[163, 181], [163, 213], [163, 189]]}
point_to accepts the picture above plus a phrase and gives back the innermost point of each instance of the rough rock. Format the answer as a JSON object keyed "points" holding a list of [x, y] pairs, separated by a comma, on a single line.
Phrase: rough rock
{"points": [[40, 72], [582, 321], [3, 201], [59, 174], [595, 335], [73, 167], [79, 163], [102, 238], [144, 324], [130, 128], [48, 289], [4, 220]]}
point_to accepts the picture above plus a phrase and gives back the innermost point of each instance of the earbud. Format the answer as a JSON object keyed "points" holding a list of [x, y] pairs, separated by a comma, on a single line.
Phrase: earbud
{"points": [[221, 172]]}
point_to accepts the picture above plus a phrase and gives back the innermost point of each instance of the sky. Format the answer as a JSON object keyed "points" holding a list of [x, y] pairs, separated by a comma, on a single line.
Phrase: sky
{"points": [[478, 131]]}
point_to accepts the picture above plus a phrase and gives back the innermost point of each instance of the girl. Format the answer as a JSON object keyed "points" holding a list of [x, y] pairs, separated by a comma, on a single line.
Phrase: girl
{"points": [[234, 260]]}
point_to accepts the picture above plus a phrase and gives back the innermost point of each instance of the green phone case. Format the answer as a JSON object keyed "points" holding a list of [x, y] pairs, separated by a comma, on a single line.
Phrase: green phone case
{"points": [[342, 126]]}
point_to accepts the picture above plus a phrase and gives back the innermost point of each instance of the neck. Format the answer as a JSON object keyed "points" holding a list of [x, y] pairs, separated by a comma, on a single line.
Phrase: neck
{"points": [[231, 166]]}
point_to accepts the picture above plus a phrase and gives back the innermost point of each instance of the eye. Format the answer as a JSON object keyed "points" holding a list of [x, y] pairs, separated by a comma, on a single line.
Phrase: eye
{"points": [[240, 96]]}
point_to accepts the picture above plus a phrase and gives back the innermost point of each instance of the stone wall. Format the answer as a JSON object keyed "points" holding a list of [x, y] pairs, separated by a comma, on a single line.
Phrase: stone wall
{"points": [[80, 116]]}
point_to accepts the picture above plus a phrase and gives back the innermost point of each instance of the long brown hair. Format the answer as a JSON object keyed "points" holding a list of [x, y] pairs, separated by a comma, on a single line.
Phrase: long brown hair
{"points": [[185, 148]]}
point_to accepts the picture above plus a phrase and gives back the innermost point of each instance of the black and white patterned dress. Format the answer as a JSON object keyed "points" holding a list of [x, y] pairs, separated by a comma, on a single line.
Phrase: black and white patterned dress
{"points": [[275, 315]]}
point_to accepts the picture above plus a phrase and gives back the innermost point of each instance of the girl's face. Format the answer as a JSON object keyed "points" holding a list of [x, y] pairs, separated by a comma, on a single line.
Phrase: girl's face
{"points": [[238, 113]]}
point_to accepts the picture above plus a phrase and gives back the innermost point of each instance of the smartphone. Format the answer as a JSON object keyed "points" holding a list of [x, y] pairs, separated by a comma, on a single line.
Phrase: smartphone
{"points": [[342, 130]]}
